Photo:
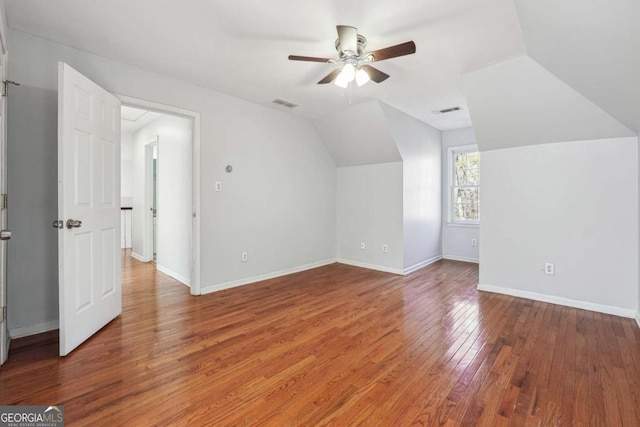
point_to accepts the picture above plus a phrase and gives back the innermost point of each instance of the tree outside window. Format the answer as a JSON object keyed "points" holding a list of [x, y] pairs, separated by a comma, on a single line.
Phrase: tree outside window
{"points": [[465, 186]]}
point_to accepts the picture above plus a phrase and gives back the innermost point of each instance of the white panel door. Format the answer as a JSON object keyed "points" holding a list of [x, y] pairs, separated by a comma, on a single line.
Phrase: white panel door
{"points": [[88, 207]]}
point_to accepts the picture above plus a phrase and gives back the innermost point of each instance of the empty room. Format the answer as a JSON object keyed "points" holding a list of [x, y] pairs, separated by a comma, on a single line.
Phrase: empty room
{"points": [[331, 213]]}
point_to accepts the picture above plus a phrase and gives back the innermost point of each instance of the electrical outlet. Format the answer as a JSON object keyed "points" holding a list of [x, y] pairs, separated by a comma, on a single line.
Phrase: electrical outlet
{"points": [[474, 242], [549, 268], [244, 257], [218, 186], [362, 246], [385, 248]]}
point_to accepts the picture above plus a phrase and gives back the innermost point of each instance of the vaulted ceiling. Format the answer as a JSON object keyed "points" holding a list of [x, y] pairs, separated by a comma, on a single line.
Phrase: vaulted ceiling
{"points": [[241, 47], [541, 63]]}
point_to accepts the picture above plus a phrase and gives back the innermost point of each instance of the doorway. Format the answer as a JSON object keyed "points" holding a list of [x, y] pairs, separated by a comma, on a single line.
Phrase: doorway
{"points": [[154, 203], [151, 195], [158, 185]]}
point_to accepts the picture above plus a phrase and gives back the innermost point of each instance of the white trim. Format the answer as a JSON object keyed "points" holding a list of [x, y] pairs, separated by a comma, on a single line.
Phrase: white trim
{"points": [[178, 277], [584, 305], [469, 148], [33, 329], [195, 184], [422, 264], [138, 257], [638, 319], [254, 279], [3, 32], [147, 230], [463, 224], [371, 266], [461, 258]]}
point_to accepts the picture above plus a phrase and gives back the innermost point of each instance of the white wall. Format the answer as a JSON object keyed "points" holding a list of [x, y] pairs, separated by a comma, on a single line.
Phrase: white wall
{"points": [[358, 135], [573, 204], [420, 147], [369, 210], [279, 204], [126, 169], [174, 135], [32, 252], [456, 239]]}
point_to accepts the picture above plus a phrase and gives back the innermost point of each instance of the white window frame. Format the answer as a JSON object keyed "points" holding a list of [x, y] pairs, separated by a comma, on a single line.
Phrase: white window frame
{"points": [[451, 151]]}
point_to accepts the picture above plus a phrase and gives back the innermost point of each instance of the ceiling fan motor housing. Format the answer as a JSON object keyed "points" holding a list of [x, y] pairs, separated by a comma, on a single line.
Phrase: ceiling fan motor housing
{"points": [[362, 43]]}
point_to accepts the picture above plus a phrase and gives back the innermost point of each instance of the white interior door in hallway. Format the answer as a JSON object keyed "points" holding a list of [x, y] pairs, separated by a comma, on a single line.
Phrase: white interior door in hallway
{"points": [[88, 207]]}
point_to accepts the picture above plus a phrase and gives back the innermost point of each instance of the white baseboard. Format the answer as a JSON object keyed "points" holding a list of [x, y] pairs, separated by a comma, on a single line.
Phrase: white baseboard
{"points": [[638, 319], [371, 266], [184, 280], [461, 258], [422, 264], [138, 257], [584, 305], [254, 279], [33, 329]]}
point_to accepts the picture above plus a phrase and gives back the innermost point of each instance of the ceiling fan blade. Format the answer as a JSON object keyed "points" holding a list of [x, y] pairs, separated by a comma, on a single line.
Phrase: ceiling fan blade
{"points": [[348, 37], [330, 77], [375, 74], [310, 59], [401, 49]]}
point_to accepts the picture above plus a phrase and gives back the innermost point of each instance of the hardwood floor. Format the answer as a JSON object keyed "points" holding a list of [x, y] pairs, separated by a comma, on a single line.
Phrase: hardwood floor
{"points": [[337, 345]]}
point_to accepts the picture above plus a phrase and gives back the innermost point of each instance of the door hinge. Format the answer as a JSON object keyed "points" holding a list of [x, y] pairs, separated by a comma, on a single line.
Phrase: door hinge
{"points": [[3, 315], [3, 201], [5, 86]]}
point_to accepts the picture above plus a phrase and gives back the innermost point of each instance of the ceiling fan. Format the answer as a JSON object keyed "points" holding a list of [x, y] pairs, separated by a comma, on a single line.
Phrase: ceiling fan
{"points": [[350, 46]]}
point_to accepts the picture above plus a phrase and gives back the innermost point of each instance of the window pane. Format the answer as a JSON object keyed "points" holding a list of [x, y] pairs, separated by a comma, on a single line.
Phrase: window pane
{"points": [[466, 203], [460, 160], [473, 177], [465, 193], [461, 176], [473, 160]]}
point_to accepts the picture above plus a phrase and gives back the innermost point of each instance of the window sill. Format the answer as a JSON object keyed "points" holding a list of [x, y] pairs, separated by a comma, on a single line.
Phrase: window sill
{"points": [[458, 224]]}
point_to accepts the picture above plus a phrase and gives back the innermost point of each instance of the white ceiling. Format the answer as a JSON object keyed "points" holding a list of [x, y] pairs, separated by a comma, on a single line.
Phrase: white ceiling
{"points": [[133, 119], [241, 48], [518, 102], [594, 46]]}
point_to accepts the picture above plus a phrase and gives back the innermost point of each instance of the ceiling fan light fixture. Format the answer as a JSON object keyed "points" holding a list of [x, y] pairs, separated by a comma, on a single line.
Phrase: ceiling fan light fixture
{"points": [[362, 77], [346, 76], [348, 72], [341, 82]]}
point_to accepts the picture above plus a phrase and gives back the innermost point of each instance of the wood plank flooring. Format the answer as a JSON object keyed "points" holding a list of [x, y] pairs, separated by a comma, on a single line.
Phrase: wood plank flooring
{"points": [[337, 345]]}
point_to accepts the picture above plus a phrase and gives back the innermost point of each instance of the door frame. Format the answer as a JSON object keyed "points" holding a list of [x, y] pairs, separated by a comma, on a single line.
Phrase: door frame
{"points": [[147, 230], [130, 101], [4, 303]]}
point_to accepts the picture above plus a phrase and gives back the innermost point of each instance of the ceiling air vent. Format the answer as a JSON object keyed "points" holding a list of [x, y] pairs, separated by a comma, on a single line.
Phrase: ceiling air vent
{"points": [[284, 103], [447, 110]]}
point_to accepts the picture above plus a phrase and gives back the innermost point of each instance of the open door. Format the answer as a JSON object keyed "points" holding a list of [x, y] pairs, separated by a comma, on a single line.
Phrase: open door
{"points": [[88, 207]]}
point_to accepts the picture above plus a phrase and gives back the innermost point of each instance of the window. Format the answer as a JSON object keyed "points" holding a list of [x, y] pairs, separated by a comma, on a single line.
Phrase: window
{"points": [[464, 185]]}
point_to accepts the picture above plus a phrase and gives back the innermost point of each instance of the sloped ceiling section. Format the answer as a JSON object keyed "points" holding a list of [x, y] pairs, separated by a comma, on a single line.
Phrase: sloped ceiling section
{"points": [[358, 135], [410, 134], [592, 45], [518, 102], [240, 47]]}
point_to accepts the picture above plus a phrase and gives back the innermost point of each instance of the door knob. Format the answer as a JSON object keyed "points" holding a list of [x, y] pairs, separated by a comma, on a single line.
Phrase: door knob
{"points": [[5, 234], [58, 224], [73, 223]]}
